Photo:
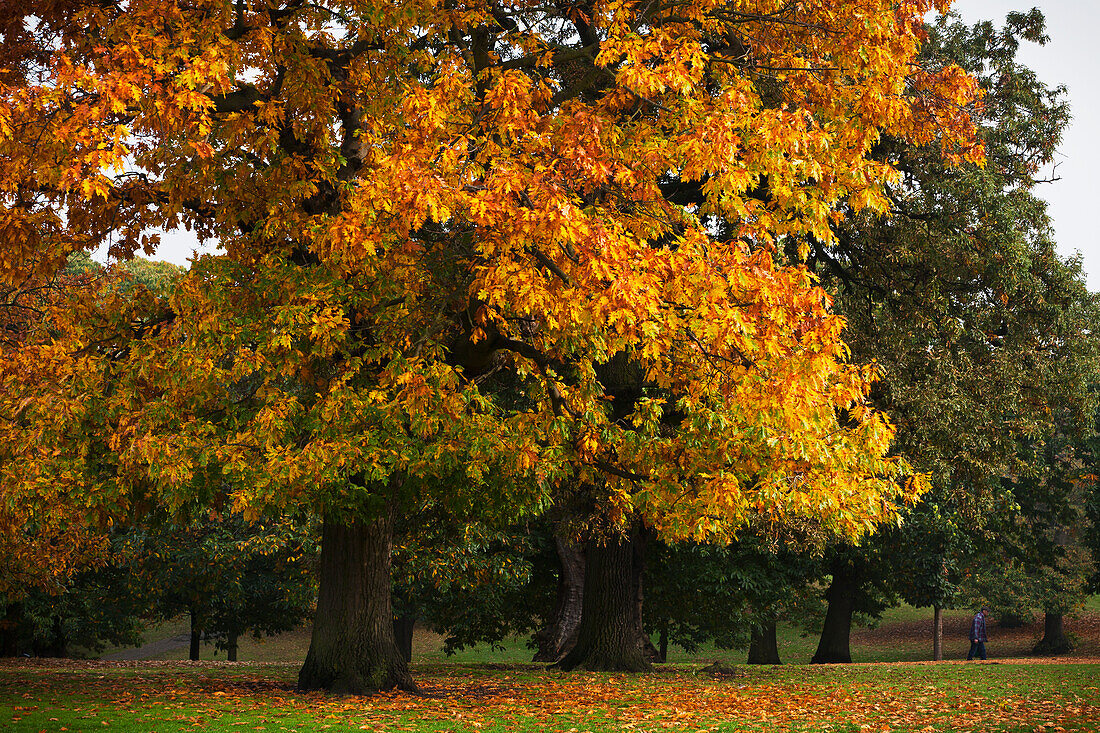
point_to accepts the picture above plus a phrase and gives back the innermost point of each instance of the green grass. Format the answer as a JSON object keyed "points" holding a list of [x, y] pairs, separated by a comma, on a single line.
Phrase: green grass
{"points": [[495, 690], [521, 698]]}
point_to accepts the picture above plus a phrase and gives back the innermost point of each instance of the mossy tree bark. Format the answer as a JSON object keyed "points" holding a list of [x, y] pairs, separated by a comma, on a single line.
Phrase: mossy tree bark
{"points": [[610, 636], [353, 649]]}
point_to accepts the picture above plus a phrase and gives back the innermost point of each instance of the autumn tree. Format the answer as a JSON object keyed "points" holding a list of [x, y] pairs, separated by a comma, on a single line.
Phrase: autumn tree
{"points": [[77, 615], [44, 552], [476, 249]]}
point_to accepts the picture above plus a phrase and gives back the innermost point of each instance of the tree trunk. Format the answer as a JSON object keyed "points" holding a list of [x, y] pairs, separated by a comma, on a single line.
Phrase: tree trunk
{"points": [[403, 634], [57, 646], [231, 646], [558, 637], [662, 652], [937, 634], [1054, 639], [610, 635], [763, 648], [834, 646], [9, 630], [196, 636], [353, 649]]}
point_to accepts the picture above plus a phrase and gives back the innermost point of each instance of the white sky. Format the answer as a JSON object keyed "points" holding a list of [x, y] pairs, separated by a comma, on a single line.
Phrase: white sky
{"points": [[1068, 59]]}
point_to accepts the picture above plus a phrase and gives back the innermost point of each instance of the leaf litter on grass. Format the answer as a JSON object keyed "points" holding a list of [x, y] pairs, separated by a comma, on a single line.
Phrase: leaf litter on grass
{"points": [[857, 698]]}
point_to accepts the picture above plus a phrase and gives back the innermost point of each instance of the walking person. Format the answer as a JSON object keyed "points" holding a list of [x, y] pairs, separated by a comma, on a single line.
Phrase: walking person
{"points": [[977, 634]]}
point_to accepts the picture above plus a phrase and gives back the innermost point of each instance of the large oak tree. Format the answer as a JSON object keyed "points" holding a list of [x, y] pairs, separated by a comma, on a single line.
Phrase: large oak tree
{"points": [[440, 223]]}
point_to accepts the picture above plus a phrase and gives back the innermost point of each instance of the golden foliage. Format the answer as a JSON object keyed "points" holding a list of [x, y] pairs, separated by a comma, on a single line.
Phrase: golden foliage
{"points": [[462, 247]]}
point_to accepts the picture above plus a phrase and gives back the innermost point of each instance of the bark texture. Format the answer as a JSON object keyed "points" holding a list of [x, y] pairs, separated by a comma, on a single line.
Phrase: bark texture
{"points": [[610, 636], [1054, 639], [835, 644], [559, 636], [353, 649], [763, 648]]}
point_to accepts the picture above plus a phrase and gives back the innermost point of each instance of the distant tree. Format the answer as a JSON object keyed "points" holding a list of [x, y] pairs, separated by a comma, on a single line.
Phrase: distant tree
{"points": [[229, 575], [928, 555], [472, 582], [732, 595], [981, 330], [80, 615], [1034, 557]]}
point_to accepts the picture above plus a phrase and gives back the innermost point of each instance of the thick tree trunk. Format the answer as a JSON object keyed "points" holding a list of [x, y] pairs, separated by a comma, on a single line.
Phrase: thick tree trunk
{"points": [[763, 647], [196, 636], [403, 634], [610, 635], [1054, 639], [834, 646], [937, 634], [558, 637], [353, 649]]}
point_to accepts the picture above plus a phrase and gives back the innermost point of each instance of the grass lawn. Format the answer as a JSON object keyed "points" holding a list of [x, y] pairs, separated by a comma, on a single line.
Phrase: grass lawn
{"points": [[84, 696], [497, 691], [903, 635]]}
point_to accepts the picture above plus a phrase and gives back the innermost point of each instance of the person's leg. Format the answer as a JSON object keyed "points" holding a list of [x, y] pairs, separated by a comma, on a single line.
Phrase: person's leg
{"points": [[970, 654], [981, 649]]}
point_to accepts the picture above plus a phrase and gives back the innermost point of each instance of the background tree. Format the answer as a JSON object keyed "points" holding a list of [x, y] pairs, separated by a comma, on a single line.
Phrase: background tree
{"points": [[980, 328], [732, 595], [81, 615], [228, 575], [929, 555], [1033, 557], [469, 581]]}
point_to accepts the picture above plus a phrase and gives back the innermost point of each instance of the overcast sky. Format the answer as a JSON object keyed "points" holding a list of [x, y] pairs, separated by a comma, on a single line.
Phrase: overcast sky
{"points": [[1068, 59]]}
